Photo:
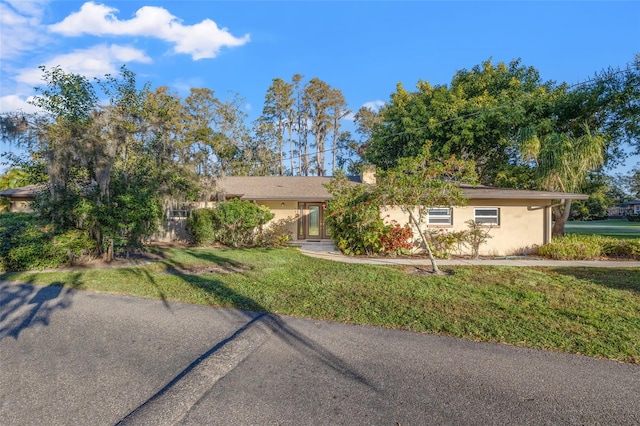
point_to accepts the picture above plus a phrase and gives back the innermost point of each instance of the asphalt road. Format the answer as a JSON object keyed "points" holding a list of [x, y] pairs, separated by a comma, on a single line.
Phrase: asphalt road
{"points": [[71, 357]]}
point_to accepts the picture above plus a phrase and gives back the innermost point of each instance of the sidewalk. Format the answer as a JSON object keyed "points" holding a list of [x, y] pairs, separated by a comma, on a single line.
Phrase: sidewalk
{"points": [[331, 253]]}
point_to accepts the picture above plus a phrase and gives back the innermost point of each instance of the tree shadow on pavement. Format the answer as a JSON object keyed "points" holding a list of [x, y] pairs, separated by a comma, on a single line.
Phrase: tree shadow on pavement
{"points": [[24, 305], [255, 314], [301, 343]]}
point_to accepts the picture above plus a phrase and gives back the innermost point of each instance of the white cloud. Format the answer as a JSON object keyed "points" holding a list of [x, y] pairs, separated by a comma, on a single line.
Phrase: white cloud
{"points": [[11, 103], [33, 8], [92, 62], [202, 40], [374, 105], [20, 28]]}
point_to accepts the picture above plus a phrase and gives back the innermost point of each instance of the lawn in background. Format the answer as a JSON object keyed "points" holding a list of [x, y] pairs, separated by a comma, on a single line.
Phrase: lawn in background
{"points": [[591, 311], [618, 228]]}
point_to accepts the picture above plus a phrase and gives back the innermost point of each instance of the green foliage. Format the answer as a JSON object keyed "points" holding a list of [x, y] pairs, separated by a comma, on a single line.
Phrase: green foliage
{"points": [[200, 226], [633, 217], [474, 117], [417, 183], [443, 242], [238, 223], [590, 247], [353, 218], [594, 208], [573, 247], [76, 245], [26, 244], [475, 236], [235, 223]]}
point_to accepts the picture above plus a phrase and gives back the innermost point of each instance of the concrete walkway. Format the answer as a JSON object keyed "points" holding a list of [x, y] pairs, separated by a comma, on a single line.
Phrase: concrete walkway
{"points": [[328, 252]]}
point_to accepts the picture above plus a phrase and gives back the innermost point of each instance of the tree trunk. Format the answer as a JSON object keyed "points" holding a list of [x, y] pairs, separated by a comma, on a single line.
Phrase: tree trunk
{"points": [[434, 266], [560, 218]]}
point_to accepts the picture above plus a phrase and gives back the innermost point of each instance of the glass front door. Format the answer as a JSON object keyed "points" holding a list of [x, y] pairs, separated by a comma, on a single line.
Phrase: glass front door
{"points": [[311, 222]]}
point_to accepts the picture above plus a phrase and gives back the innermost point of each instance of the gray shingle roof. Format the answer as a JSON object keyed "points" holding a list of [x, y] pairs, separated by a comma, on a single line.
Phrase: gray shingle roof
{"points": [[302, 188], [23, 191], [311, 188]]}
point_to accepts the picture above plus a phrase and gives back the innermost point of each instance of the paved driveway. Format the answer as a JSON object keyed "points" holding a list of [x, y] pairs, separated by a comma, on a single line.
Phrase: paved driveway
{"points": [[74, 357]]}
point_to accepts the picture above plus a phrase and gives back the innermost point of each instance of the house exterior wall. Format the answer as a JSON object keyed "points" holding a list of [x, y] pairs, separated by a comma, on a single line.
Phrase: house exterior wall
{"points": [[20, 205], [284, 210], [523, 224]]}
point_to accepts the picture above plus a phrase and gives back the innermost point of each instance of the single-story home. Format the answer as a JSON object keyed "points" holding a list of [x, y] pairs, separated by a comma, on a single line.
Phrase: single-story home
{"points": [[519, 220], [20, 198]]}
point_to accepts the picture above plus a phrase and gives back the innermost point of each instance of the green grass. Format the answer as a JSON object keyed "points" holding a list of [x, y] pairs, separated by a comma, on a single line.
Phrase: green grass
{"points": [[590, 311], [618, 228]]}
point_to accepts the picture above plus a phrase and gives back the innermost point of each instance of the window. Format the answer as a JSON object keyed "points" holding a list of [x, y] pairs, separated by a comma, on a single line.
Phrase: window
{"points": [[487, 216], [439, 216], [178, 212]]}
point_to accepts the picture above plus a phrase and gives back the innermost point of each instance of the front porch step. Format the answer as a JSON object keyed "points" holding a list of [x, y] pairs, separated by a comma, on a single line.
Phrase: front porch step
{"points": [[323, 245]]}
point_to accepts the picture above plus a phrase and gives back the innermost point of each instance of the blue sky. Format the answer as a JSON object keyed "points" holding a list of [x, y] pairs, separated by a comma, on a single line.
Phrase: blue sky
{"points": [[363, 48]]}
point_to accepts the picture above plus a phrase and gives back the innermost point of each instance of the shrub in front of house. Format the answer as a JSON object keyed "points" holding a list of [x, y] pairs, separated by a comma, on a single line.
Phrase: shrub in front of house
{"points": [[355, 223], [573, 247], [25, 244], [396, 239], [590, 247], [234, 223], [200, 226], [633, 217]]}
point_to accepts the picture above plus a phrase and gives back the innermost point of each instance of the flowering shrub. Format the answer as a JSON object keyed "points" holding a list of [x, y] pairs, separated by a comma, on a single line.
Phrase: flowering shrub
{"points": [[396, 239]]}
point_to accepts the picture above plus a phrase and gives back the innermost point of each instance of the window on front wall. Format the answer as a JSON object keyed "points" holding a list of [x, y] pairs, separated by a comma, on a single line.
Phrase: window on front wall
{"points": [[439, 216], [487, 216], [178, 212]]}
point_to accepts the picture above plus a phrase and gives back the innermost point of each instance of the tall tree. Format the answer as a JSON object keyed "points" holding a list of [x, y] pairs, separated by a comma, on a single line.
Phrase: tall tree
{"points": [[278, 110], [475, 117], [337, 111], [200, 109], [317, 95], [418, 183], [562, 163], [301, 114]]}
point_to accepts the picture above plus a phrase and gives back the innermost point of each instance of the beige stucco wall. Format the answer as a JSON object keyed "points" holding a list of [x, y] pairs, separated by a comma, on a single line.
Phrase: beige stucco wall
{"points": [[284, 210], [524, 224], [20, 205]]}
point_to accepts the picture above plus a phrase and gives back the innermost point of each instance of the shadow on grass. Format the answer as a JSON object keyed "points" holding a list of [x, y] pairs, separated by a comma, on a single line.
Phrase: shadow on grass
{"points": [[616, 278], [255, 313], [25, 305]]}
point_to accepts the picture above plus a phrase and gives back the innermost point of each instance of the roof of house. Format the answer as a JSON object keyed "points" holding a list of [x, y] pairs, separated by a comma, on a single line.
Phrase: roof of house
{"points": [[630, 203], [312, 188], [300, 188], [23, 191], [487, 192]]}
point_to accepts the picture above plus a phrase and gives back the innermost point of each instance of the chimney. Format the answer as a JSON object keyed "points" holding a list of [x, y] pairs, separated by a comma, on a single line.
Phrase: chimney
{"points": [[368, 174]]}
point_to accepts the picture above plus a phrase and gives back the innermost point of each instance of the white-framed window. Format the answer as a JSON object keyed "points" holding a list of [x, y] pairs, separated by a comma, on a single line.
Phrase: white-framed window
{"points": [[487, 216], [439, 216], [178, 213]]}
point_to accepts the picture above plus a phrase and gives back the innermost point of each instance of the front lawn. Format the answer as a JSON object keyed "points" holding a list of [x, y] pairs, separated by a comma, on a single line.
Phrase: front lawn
{"points": [[618, 228], [591, 311]]}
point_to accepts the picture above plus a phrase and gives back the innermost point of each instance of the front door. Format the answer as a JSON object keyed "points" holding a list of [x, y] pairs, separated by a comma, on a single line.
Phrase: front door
{"points": [[311, 223]]}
